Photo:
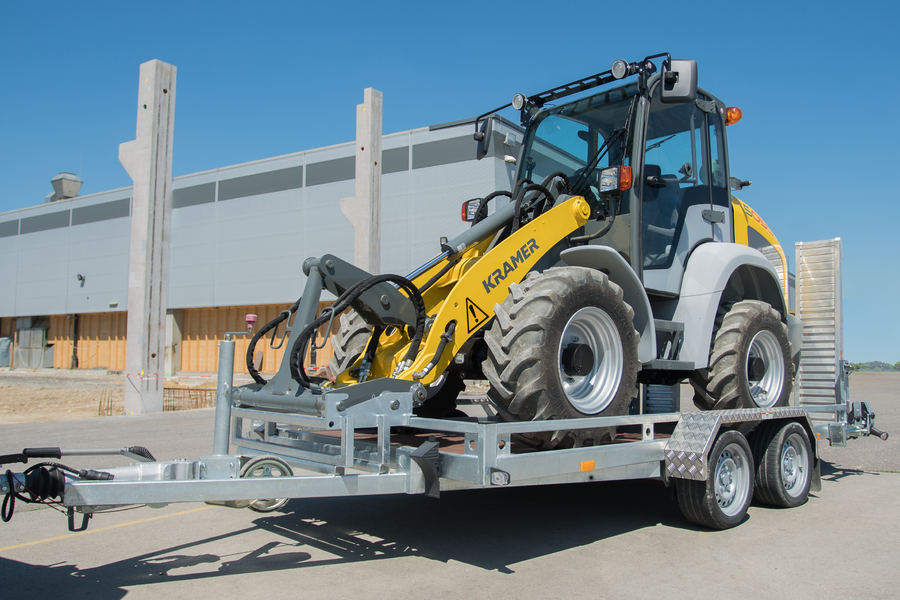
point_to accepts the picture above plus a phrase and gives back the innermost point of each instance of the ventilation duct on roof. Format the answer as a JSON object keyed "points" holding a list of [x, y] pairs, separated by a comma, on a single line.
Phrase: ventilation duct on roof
{"points": [[65, 185]]}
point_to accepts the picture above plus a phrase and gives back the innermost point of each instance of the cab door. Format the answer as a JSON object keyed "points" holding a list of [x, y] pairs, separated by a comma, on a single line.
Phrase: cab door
{"points": [[683, 195]]}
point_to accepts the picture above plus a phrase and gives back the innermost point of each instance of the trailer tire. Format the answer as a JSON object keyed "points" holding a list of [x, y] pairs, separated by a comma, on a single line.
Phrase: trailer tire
{"points": [[720, 502], [266, 466], [750, 364], [349, 342], [784, 465], [535, 375]]}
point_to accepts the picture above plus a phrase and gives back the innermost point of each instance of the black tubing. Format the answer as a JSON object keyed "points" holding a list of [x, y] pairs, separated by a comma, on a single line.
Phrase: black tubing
{"points": [[298, 372], [443, 271], [251, 348], [481, 213], [9, 501], [549, 179], [519, 184], [446, 338], [521, 196]]}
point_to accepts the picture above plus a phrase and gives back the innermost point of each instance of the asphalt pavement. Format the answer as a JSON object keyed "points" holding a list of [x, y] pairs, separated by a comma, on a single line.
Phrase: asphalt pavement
{"points": [[602, 539]]}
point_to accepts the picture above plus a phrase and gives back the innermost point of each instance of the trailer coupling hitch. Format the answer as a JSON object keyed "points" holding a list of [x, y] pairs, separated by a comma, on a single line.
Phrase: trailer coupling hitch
{"points": [[862, 417], [45, 483]]}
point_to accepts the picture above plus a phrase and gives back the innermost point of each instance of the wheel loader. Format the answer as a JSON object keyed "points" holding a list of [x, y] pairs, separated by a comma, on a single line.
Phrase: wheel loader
{"points": [[612, 261]]}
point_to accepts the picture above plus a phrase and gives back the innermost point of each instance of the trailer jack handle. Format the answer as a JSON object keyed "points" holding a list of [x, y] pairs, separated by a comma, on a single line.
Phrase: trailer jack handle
{"points": [[85, 519], [878, 433]]}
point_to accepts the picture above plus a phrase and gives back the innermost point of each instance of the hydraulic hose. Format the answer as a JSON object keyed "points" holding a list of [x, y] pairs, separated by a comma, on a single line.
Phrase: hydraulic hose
{"points": [[519, 184], [298, 372], [519, 199], [481, 213], [599, 233], [548, 180], [446, 338], [251, 348]]}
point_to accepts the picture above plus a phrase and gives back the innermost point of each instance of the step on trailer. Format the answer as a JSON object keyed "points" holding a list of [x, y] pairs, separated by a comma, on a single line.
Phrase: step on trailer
{"points": [[718, 461], [629, 268]]}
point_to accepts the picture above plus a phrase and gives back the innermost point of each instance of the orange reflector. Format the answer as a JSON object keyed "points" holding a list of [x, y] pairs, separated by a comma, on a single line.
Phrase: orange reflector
{"points": [[732, 115], [624, 178], [587, 465]]}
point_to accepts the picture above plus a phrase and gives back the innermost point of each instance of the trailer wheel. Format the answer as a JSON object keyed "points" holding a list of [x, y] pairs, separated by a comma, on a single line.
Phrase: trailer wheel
{"points": [[267, 466], [783, 464], [349, 342], [562, 346], [720, 502], [750, 363]]}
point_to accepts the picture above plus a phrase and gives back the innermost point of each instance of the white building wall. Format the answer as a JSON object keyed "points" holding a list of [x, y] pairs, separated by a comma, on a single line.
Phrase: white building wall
{"points": [[240, 234]]}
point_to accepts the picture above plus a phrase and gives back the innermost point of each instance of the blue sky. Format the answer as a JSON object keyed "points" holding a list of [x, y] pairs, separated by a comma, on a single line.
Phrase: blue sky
{"points": [[815, 82]]}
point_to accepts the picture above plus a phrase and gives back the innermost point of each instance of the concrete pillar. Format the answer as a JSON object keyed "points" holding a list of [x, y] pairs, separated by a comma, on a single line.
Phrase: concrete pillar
{"points": [[148, 161], [364, 209], [173, 341]]}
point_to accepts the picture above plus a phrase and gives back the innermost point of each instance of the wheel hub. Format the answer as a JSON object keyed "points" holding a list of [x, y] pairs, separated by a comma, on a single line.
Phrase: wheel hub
{"points": [[577, 359], [765, 369], [731, 483], [591, 360], [793, 466], [725, 490]]}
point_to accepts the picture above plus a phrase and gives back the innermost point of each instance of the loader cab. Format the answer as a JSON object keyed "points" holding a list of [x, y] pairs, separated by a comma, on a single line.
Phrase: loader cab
{"points": [[677, 152]]}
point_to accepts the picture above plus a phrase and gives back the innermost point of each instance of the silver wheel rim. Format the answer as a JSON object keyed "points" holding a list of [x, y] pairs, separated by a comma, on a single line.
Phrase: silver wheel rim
{"points": [[794, 465], [766, 391], [267, 468], [732, 480], [593, 392]]}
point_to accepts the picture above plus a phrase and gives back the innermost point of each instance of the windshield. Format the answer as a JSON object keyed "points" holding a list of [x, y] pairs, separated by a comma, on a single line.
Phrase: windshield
{"points": [[567, 137]]}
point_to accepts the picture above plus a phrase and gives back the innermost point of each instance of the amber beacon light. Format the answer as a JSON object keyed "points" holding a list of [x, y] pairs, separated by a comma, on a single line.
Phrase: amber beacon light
{"points": [[732, 115]]}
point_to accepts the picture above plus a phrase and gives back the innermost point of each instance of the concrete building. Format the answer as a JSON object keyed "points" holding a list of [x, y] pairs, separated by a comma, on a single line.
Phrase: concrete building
{"points": [[239, 236]]}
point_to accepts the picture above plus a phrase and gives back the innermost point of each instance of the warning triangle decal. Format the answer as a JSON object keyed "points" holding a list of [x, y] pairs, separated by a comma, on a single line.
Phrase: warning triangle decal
{"points": [[475, 317]]}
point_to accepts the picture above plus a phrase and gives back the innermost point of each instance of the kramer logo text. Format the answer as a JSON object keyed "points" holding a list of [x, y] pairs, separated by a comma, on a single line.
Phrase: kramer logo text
{"points": [[509, 266]]}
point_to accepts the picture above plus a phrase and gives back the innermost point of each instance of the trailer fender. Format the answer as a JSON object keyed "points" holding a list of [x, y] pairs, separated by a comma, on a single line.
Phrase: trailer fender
{"points": [[603, 258], [710, 269]]}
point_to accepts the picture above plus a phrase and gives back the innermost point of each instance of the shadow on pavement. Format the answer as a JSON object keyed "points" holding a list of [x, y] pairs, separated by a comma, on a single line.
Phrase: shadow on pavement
{"points": [[488, 529], [833, 472]]}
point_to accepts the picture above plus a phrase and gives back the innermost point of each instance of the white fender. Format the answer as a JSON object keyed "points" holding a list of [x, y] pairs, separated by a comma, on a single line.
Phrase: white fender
{"points": [[606, 259], [708, 270]]}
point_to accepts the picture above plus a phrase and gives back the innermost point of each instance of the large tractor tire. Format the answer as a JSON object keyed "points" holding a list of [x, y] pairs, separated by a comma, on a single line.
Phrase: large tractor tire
{"points": [[750, 363], [563, 346], [349, 342]]}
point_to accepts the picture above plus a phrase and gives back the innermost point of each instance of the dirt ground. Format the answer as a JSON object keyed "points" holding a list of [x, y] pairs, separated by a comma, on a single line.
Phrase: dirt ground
{"points": [[30, 396]]}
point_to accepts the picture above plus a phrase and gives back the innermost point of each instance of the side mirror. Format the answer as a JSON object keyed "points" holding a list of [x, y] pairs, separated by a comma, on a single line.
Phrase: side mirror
{"points": [[483, 137], [679, 81]]}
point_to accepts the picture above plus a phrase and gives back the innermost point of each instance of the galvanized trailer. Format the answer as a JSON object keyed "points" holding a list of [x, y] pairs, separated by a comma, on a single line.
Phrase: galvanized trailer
{"points": [[351, 452], [340, 447]]}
